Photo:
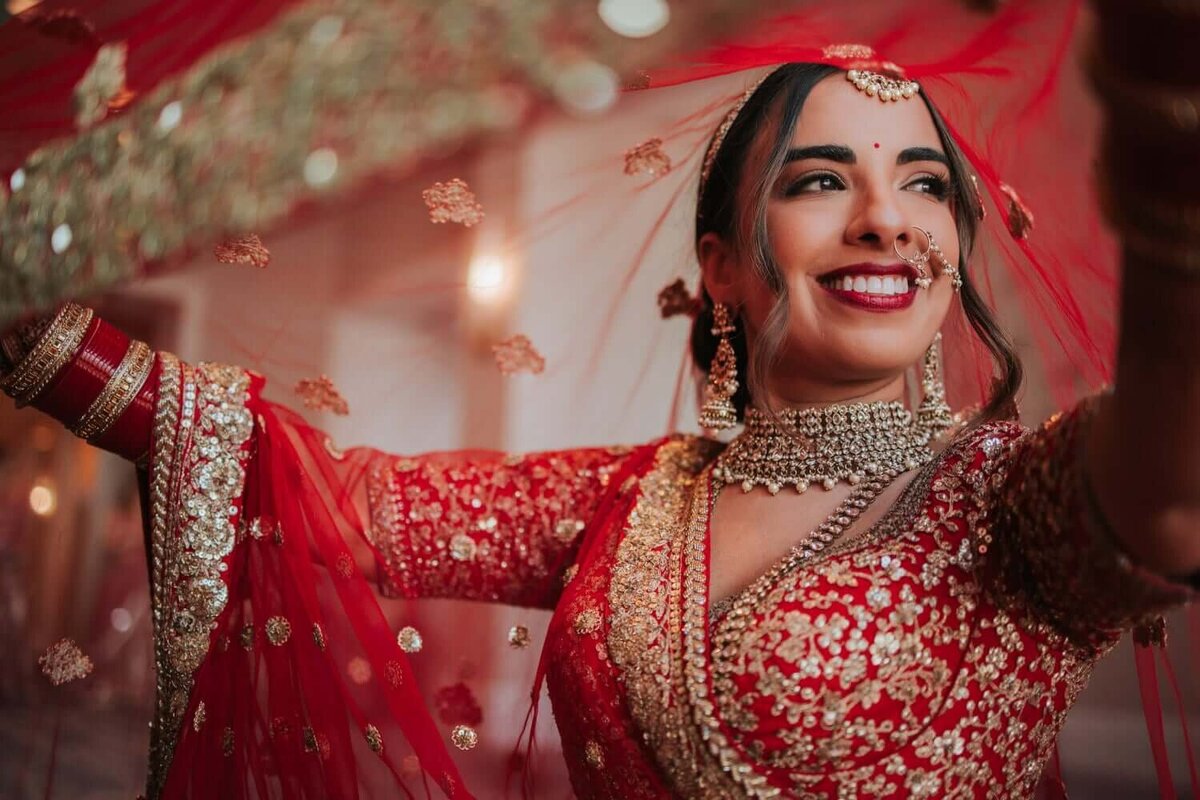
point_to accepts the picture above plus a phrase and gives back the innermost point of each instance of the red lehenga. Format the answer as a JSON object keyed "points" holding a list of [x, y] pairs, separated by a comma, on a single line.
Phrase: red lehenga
{"points": [[934, 656]]}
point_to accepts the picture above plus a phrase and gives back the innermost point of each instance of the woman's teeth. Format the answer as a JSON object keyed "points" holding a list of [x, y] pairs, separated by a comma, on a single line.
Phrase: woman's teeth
{"points": [[872, 284]]}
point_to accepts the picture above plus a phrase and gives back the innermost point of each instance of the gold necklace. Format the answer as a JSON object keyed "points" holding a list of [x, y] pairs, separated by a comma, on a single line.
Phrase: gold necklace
{"points": [[851, 442]]}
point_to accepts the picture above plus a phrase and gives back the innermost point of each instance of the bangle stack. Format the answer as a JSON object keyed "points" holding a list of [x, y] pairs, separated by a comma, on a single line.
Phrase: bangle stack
{"points": [[53, 351], [120, 391]]}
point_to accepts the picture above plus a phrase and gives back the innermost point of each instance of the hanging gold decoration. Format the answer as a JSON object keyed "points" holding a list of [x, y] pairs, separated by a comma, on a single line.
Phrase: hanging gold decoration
{"points": [[453, 201], [647, 158], [320, 394], [518, 354], [248, 249], [63, 662]]}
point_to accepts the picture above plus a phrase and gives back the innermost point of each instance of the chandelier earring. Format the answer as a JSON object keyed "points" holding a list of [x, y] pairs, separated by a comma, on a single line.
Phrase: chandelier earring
{"points": [[718, 413], [933, 414]]}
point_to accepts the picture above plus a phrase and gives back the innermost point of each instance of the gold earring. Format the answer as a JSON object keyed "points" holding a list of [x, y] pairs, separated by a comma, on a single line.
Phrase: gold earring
{"points": [[917, 262], [933, 414], [718, 413]]}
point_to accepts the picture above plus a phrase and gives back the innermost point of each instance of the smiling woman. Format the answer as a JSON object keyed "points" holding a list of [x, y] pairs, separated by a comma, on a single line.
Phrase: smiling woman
{"points": [[860, 594]]}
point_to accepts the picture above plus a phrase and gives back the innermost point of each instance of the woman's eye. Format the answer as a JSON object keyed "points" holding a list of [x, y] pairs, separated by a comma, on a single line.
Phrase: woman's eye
{"points": [[932, 185], [816, 182]]}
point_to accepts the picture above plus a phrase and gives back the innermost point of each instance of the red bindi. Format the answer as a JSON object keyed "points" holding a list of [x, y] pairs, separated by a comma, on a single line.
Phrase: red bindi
{"points": [[877, 145]]}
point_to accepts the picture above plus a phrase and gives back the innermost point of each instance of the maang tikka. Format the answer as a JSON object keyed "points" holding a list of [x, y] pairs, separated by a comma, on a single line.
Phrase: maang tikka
{"points": [[717, 413]]}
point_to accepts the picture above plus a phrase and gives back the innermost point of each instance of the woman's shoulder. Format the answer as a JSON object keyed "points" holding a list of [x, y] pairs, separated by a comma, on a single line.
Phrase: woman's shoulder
{"points": [[978, 442]]}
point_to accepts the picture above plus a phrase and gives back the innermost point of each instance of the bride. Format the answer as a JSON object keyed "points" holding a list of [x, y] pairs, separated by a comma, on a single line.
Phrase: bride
{"points": [[855, 597]]}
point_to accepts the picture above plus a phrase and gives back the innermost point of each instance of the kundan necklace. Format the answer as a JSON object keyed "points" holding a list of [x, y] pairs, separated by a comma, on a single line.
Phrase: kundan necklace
{"points": [[867, 445], [852, 443]]}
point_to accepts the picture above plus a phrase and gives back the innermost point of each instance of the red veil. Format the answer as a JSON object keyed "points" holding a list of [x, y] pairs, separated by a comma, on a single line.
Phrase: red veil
{"points": [[1004, 75]]}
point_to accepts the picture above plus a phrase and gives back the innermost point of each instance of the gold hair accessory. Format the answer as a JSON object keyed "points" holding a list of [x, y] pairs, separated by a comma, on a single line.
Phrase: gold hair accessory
{"points": [[710, 155], [718, 413], [57, 346], [120, 391], [854, 443], [883, 88]]}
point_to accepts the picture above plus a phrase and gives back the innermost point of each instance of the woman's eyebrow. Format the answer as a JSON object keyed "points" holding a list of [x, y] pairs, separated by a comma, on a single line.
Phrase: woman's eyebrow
{"points": [[827, 152], [913, 154]]}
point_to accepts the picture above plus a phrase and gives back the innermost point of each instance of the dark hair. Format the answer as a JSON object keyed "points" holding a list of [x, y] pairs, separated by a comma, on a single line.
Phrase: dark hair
{"points": [[717, 212]]}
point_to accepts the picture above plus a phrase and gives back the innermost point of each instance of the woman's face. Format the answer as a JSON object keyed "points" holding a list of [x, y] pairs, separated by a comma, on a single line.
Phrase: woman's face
{"points": [[860, 175]]}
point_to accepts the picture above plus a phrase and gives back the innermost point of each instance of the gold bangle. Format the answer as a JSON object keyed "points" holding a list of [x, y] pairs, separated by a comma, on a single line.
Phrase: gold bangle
{"points": [[126, 381], [57, 346]]}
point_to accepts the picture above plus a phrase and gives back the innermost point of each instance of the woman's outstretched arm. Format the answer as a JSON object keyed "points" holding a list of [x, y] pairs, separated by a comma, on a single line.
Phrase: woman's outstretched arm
{"points": [[1143, 452]]}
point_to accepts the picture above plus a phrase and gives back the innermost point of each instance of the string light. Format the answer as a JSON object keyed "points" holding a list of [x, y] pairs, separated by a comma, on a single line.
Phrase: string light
{"points": [[635, 18], [43, 500]]}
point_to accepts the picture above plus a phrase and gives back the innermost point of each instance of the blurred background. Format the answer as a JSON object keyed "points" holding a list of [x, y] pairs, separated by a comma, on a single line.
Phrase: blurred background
{"points": [[410, 350]]}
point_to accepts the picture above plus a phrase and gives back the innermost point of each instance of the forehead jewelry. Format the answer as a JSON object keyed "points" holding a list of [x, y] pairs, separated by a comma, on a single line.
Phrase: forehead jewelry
{"points": [[882, 87]]}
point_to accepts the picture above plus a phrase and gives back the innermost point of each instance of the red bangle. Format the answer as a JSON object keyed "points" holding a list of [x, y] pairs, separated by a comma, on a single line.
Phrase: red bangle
{"points": [[85, 377]]}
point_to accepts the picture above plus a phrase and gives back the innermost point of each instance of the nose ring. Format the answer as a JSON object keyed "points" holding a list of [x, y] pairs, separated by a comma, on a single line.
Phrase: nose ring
{"points": [[922, 259]]}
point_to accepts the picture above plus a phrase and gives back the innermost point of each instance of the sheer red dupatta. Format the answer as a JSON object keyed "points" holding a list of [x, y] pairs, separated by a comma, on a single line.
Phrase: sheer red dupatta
{"points": [[303, 691]]}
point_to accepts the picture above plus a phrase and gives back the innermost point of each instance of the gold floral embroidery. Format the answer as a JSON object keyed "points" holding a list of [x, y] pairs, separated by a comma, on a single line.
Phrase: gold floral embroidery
{"points": [[409, 639], [464, 737], [518, 637], [279, 630], [587, 621], [593, 754], [199, 717], [491, 527], [374, 739], [641, 629], [201, 430]]}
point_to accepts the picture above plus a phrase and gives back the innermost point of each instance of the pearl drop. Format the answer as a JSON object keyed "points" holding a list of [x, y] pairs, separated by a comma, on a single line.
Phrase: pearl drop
{"points": [[829, 483]]}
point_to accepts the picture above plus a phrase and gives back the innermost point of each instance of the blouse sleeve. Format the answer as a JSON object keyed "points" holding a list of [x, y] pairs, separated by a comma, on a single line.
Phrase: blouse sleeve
{"points": [[483, 525], [1047, 550]]}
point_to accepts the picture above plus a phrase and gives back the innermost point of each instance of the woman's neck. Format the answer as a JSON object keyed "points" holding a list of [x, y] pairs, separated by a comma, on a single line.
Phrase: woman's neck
{"points": [[805, 394]]}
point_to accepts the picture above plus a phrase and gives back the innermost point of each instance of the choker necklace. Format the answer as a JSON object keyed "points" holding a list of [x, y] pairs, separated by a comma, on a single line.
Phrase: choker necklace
{"points": [[872, 442]]}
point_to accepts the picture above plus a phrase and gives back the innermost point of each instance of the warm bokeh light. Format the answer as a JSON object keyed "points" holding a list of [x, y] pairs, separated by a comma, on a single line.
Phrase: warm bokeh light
{"points": [[20, 6], [487, 279], [43, 500], [635, 18]]}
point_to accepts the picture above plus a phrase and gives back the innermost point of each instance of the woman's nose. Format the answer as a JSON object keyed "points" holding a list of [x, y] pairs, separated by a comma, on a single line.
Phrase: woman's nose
{"points": [[878, 220]]}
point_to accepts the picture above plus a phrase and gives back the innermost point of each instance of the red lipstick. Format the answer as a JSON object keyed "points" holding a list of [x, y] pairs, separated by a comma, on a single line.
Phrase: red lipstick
{"points": [[834, 283]]}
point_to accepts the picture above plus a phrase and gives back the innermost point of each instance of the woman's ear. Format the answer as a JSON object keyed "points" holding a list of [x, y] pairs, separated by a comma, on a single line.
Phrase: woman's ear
{"points": [[718, 269]]}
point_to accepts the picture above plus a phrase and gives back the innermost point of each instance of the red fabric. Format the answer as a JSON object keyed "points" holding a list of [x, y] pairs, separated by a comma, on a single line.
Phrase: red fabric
{"points": [[45, 51], [1152, 708]]}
